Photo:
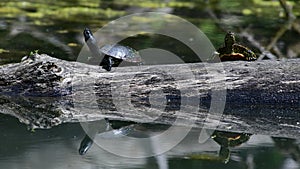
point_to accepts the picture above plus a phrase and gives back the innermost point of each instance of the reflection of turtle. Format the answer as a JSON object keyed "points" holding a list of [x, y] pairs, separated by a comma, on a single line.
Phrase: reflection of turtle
{"points": [[115, 126], [225, 140], [113, 54], [228, 139], [115, 129], [232, 51]]}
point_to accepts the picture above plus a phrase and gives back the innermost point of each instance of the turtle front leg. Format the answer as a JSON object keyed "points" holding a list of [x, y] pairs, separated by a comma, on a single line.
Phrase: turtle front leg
{"points": [[107, 63]]}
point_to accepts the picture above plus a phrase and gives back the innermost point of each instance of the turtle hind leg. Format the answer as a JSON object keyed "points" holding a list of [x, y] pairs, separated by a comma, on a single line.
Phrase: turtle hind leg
{"points": [[117, 62]]}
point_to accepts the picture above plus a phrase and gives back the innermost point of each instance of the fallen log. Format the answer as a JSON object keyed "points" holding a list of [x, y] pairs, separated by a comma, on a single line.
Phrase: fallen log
{"points": [[254, 97]]}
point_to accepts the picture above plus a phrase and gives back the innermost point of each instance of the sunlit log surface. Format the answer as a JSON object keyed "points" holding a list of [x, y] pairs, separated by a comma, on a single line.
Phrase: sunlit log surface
{"points": [[255, 97]]}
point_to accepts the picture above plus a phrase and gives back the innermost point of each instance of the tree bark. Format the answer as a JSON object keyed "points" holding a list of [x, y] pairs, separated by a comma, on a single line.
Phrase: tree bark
{"points": [[254, 97]]}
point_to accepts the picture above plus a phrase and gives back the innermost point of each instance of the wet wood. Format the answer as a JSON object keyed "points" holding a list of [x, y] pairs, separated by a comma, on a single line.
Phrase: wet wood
{"points": [[256, 97]]}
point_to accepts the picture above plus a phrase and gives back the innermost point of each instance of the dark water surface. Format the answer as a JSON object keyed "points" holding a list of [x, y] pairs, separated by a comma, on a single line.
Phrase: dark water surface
{"points": [[57, 148]]}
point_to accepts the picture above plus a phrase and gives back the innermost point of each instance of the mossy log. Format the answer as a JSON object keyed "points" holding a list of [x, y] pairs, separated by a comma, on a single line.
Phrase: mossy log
{"points": [[254, 97]]}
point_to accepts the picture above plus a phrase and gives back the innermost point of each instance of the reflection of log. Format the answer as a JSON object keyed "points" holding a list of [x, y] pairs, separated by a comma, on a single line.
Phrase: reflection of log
{"points": [[261, 97]]}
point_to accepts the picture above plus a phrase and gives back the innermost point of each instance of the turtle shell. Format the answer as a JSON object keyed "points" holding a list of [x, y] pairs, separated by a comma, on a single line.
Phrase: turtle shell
{"points": [[121, 52], [239, 53]]}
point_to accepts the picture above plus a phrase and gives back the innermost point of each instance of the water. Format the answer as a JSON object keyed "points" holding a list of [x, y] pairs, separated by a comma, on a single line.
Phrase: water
{"points": [[58, 148]]}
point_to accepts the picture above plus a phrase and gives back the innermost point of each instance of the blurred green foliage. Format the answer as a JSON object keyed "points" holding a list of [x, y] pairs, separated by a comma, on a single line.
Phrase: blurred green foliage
{"points": [[64, 20]]}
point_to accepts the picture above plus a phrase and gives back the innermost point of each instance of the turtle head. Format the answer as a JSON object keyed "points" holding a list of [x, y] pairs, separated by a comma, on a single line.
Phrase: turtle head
{"points": [[87, 33], [229, 39]]}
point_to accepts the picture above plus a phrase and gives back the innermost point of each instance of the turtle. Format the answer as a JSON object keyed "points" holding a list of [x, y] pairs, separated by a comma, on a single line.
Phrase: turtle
{"points": [[231, 51], [112, 55]]}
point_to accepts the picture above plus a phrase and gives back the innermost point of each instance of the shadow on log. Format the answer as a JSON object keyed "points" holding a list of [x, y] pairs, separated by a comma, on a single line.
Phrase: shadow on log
{"points": [[254, 97]]}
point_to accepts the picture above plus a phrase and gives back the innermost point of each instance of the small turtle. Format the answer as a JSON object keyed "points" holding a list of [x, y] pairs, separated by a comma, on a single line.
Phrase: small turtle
{"points": [[112, 55], [232, 51]]}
